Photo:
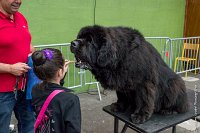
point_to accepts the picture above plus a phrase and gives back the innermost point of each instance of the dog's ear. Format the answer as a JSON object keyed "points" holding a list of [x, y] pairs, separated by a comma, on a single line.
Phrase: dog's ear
{"points": [[135, 41], [107, 55]]}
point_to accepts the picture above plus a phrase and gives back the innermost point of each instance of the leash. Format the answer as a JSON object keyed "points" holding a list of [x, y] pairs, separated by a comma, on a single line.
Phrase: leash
{"points": [[16, 86]]}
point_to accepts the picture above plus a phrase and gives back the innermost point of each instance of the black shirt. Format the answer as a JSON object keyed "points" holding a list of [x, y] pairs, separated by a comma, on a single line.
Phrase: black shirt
{"points": [[63, 111]]}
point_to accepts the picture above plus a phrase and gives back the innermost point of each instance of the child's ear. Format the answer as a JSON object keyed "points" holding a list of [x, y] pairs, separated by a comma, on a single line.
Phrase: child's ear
{"points": [[60, 73]]}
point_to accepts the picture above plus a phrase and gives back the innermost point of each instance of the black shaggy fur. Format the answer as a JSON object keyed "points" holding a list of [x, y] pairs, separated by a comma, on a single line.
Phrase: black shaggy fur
{"points": [[121, 59]]}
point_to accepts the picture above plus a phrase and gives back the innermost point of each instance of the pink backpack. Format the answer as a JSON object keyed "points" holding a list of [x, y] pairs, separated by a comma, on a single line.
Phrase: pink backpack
{"points": [[41, 117]]}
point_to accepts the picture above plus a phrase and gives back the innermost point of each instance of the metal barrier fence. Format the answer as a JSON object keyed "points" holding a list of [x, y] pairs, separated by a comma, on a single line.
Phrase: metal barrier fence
{"points": [[162, 44], [171, 51], [185, 54], [181, 54]]}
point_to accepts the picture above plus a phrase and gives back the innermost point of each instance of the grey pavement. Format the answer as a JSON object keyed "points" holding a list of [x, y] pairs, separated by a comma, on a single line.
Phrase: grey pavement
{"points": [[95, 120]]}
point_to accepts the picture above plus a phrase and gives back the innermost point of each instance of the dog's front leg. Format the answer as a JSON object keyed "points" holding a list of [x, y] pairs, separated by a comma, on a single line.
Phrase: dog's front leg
{"points": [[145, 99], [122, 102]]}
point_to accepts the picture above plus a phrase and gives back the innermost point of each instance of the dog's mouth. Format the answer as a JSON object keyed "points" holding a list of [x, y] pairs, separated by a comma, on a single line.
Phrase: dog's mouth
{"points": [[82, 64], [75, 48]]}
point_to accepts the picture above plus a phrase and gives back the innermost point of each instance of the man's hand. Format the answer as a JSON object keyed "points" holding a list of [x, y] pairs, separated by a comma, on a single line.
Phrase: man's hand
{"points": [[18, 69]]}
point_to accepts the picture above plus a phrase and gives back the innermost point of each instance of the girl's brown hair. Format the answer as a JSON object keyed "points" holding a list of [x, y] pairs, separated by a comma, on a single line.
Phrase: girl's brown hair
{"points": [[47, 62]]}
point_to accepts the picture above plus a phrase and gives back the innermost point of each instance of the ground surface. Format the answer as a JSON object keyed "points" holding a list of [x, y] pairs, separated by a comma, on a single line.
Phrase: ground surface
{"points": [[94, 120]]}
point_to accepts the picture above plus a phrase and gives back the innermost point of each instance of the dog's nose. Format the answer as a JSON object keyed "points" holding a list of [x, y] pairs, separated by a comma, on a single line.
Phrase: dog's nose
{"points": [[75, 44]]}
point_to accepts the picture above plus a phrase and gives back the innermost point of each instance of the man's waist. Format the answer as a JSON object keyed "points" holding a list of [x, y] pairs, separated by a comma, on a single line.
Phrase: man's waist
{"points": [[10, 83]]}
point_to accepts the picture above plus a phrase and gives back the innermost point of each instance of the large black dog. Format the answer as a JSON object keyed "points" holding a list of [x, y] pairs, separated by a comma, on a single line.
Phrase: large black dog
{"points": [[121, 59]]}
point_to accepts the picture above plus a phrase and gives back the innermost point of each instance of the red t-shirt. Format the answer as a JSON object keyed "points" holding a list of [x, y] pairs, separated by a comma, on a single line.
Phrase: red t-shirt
{"points": [[15, 41]]}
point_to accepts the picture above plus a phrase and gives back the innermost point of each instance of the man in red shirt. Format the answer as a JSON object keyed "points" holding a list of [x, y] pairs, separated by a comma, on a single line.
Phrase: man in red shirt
{"points": [[15, 45]]}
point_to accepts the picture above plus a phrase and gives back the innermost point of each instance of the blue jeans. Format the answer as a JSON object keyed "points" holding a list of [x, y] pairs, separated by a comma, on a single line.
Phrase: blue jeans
{"points": [[25, 118]]}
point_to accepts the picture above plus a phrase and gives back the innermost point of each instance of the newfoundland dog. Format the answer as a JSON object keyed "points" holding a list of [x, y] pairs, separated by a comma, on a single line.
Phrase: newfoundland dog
{"points": [[121, 59]]}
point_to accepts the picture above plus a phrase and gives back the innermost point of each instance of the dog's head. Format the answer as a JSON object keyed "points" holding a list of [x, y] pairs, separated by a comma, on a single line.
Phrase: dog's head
{"points": [[93, 48]]}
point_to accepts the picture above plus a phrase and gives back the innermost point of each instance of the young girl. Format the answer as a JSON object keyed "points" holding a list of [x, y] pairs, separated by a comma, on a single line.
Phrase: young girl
{"points": [[63, 112]]}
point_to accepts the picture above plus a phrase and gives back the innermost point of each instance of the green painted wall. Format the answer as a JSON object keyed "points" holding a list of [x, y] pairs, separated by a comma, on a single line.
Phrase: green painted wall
{"points": [[58, 21]]}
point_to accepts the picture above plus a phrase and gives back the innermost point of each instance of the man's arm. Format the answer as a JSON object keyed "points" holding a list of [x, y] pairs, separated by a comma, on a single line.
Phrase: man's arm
{"points": [[32, 49], [16, 69], [5, 68]]}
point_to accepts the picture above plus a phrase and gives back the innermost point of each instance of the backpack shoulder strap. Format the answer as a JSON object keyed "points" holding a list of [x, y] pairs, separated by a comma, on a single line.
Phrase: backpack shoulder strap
{"points": [[44, 107]]}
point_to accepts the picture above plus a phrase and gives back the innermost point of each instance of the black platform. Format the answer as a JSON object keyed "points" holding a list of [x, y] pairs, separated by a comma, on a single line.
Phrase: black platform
{"points": [[158, 122]]}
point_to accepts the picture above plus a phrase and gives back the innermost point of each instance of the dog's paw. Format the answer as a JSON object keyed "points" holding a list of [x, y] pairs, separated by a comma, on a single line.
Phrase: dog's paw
{"points": [[117, 107], [139, 118]]}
